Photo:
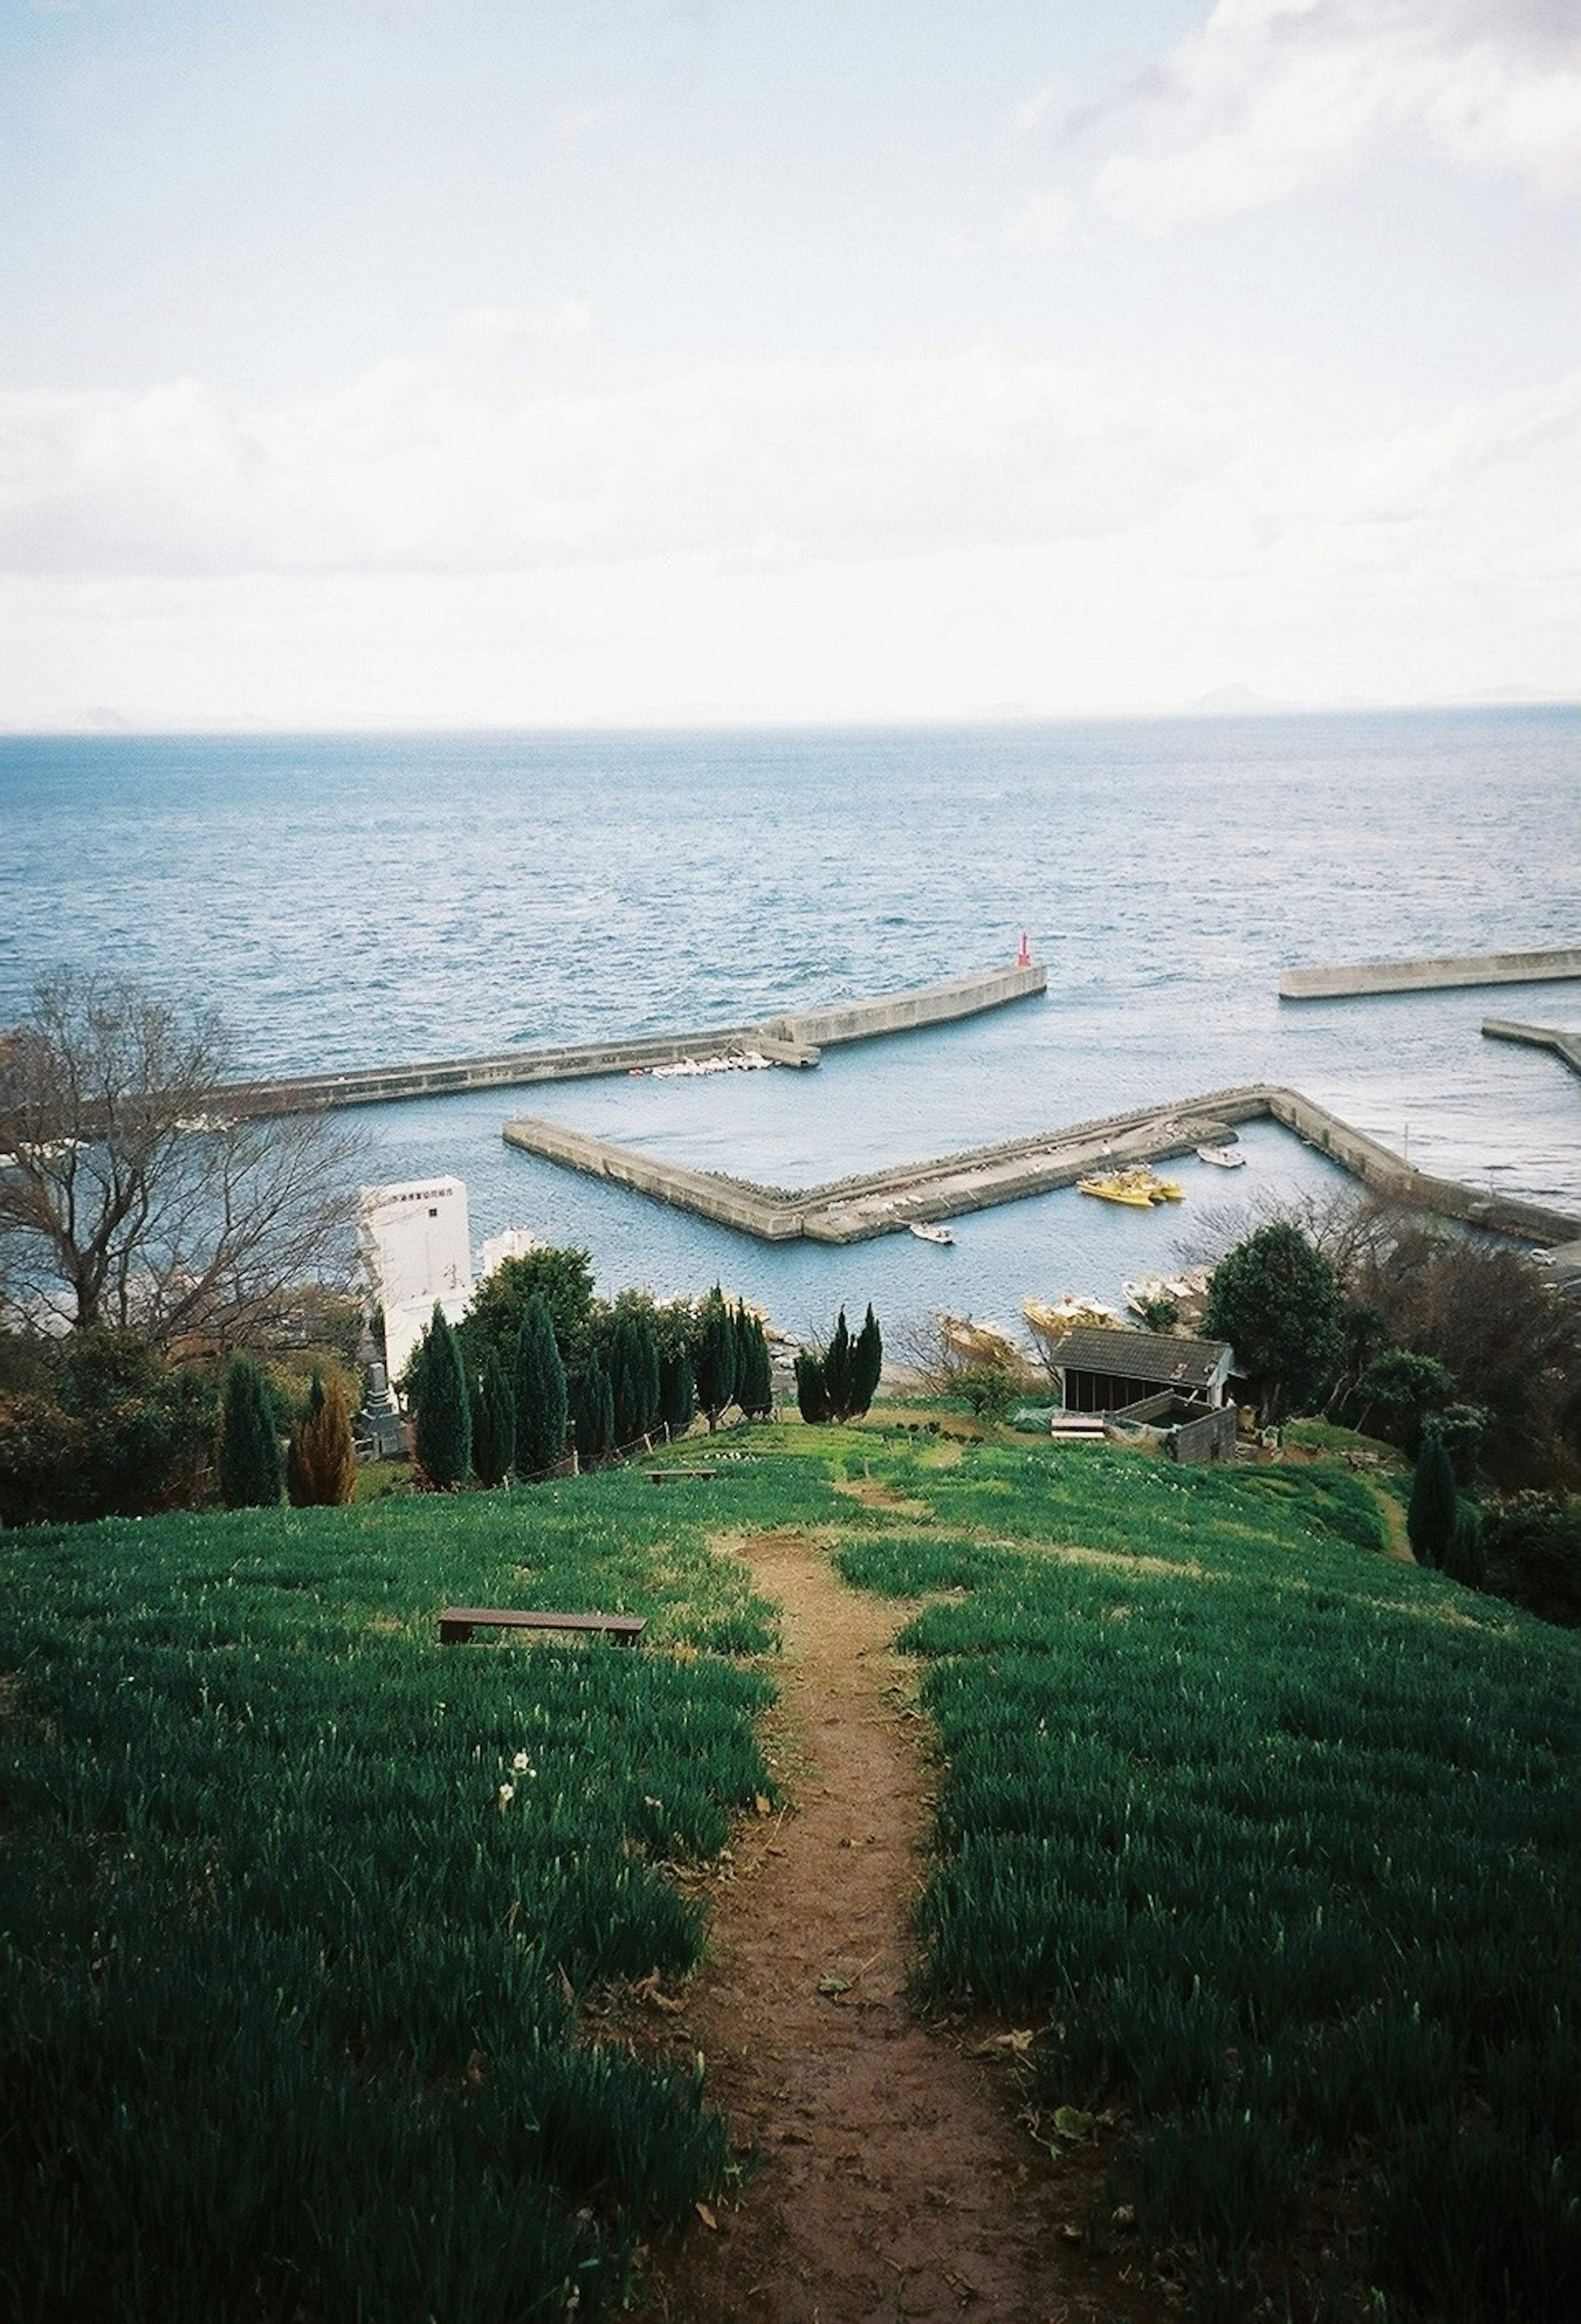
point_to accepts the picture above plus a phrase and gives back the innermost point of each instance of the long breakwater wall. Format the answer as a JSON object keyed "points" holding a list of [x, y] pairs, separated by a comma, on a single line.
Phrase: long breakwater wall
{"points": [[793, 1041], [854, 1210], [1363, 976]]}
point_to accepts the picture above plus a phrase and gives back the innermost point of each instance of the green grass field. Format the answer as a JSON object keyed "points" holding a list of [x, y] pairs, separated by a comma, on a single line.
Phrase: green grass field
{"points": [[1270, 1840]]}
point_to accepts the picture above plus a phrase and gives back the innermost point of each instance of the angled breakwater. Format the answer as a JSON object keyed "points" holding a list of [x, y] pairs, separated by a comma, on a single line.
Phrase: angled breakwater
{"points": [[854, 1210], [795, 1040], [1565, 1042]]}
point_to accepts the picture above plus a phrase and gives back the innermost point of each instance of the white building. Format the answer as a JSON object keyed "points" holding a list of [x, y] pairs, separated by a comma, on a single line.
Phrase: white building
{"points": [[416, 1243], [417, 1246]]}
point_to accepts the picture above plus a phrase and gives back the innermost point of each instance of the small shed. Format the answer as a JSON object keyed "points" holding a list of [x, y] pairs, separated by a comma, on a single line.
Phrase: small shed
{"points": [[1104, 1371]]}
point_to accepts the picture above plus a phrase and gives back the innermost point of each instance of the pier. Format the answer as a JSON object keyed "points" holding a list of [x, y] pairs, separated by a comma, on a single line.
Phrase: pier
{"points": [[795, 1040], [1565, 1044], [1364, 976], [855, 1210]]}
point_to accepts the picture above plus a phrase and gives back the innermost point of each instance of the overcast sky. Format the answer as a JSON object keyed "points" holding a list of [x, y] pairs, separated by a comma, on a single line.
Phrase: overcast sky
{"points": [[558, 362]]}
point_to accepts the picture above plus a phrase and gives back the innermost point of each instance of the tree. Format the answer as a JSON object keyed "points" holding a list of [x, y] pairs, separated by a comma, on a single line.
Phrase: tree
{"points": [[561, 1278], [249, 1453], [811, 1393], [1276, 1301], [538, 1392], [136, 1194], [754, 1366], [1396, 1389], [633, 1367], [444, 1412], [97, 1424], [713, 1357], [836, 1369], [321, 1466], [677, 1391], [592, 1412], [867, 1364], [989, 1391], [1434, 1505], [493, 1422]]}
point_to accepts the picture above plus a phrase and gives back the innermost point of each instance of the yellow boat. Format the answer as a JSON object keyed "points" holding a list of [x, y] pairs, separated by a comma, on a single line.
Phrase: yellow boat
{"points": [[1117, 1186]]}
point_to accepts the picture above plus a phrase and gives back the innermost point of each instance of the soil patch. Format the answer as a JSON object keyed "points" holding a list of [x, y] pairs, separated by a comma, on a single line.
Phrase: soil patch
{"points": [[891, 2181]]}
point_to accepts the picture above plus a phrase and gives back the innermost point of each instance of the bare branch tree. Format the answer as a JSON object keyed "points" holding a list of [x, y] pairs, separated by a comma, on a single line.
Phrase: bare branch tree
{"points": [[128, 1197]]}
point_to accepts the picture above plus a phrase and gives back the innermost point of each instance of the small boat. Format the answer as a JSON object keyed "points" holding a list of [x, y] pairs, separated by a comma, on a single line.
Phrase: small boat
{"points": [[1222, 1157], [1117, 1186], [1053, 1318], [925, 1231]]}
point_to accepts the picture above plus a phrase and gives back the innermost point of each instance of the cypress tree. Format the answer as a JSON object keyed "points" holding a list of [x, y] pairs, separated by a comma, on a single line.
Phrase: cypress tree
{"points": [[838, 1385], [645, 1359], [323, 1465], [443, 1421], [713, 1357], [755, 1375], [812, 1390], [1463, 1559], [538, 1392], [1430, 1515], [677, 1391], [493, 1422], [249, 1454], [593, 1412], [867, 1364]]}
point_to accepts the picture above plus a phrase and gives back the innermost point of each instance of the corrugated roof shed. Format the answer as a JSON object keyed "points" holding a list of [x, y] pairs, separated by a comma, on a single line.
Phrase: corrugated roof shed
{"points": [[1152, 1356]]}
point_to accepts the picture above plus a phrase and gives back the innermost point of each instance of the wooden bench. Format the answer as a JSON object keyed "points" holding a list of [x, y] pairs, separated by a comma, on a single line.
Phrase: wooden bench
{"points": [[457, 1623], [664, 1476]]}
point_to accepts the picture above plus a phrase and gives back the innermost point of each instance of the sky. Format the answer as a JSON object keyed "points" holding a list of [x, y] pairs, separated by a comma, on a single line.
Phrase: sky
{"points": [[563, 363]]}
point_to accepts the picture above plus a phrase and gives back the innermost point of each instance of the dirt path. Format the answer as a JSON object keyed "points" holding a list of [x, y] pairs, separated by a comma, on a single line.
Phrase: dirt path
{"points": [[893, 2182]]}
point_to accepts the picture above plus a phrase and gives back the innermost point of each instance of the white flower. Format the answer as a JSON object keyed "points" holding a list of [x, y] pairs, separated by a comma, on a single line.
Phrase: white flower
{"points": [[507, 1793]]}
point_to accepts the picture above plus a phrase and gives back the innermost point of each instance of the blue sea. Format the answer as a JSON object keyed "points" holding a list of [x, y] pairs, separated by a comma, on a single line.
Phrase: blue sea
{"points": [[351, 900]]}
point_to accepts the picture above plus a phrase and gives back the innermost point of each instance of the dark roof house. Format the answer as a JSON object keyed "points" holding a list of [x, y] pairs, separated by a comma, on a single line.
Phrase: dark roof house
{"points": [[1103, 1370]]}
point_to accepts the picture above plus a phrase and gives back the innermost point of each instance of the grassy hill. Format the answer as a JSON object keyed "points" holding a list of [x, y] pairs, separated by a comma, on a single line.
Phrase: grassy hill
{"points": [[1267, 1839]]}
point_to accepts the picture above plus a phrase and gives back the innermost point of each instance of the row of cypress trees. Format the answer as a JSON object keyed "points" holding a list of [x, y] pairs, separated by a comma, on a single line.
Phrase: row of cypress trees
{"points": [[839, 1383], [620, 1387]]}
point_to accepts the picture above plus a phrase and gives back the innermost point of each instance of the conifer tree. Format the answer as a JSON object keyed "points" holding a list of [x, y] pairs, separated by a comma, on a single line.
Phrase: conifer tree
{"points": [[249, 1456], [539, 1393], [811, 1393], [713, 1357], [754, 1369], [493, 1422], [593, 1412], [1432, 1512], [645, 1366], [837, 1370], [322, 1464], [677, 1400], [867, 1364], [443, 1411]]}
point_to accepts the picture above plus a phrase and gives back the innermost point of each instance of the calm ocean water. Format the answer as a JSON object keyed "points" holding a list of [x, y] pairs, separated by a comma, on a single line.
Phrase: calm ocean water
{"points": [[349, 901]]}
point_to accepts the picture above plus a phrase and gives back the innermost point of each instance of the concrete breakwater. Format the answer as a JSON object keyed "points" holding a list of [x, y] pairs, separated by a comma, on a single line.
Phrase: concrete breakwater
{"points": [[854, 1210], [1363, 976], [1565, 1044], [794, 1040]]}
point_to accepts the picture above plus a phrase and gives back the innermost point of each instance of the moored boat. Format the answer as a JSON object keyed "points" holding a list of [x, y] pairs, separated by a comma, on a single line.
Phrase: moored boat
{"points": [[929, 1231], [1223, 1157]]}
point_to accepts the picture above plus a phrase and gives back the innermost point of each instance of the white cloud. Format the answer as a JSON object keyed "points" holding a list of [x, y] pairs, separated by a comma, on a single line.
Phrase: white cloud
{"points": [[1042, 222], [1037, 108], [467, 459], [1274, 98]]}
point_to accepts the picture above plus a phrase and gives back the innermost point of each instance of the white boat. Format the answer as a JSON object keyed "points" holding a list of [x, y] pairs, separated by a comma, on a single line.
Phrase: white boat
{"points": [[925, 1231], [1223, 1157]]}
